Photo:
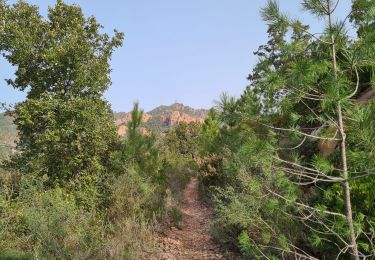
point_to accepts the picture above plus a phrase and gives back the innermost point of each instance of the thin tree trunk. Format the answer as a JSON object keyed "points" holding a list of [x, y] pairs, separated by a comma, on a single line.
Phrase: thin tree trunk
{"points": [[348, 204], [344, 165]]}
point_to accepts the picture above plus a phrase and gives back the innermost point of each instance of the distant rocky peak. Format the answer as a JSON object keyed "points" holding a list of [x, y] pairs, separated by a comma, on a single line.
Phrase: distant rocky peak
{"points": [[177, 106], [162, 117]]}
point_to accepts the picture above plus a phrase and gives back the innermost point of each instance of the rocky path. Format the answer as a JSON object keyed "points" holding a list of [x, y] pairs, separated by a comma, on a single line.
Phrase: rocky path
{"points": [[193, 240]]}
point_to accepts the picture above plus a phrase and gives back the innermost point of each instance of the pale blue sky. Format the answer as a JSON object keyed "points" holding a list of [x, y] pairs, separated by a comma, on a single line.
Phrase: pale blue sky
{"points": [[188, 51]]}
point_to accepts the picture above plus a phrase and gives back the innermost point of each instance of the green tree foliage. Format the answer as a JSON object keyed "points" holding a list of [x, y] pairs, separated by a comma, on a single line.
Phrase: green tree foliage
{"points": [[210, 132], [287, 172], [183, 139], [64, 54], [71, 191], [64, 139], [141, 150], [297, 179], [64, 126], [312, 89]]}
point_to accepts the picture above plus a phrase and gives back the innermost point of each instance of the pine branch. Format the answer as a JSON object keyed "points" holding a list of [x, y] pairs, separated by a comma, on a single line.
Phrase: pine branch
{"points": [[302, 133], [306, 206], [295, 26]]}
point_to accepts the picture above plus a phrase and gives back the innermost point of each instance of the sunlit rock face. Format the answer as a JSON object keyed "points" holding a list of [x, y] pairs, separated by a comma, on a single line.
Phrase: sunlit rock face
{"points": [[178, 117], [161, 118], [122, 129], [124, 119]]}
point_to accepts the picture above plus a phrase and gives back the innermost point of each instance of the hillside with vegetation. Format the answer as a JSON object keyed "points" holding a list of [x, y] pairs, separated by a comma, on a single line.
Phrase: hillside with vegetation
{"points": [[160, 119], [285, 171], [8, 135]]}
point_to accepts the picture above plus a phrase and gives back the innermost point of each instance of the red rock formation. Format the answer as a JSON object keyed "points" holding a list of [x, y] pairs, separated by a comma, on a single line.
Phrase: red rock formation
{"points": [[128, 116], [144, 131], [165, 116], [122, 130], [146, 117], [174, 118], [179, 117]]}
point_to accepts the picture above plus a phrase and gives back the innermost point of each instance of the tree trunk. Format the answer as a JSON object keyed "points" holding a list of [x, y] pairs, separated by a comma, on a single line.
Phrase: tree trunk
{"points": [[344, 165], [348, 204]]}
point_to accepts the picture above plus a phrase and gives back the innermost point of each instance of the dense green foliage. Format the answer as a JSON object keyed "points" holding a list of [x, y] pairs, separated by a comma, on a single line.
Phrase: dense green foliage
{"points": [[183, 140], [292, 176], [73, 189], [8, 135], [284, 167]]}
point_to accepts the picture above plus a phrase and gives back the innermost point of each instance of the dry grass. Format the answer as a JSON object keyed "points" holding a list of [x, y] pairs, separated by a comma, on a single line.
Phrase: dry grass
{"points": [[131, 239]]}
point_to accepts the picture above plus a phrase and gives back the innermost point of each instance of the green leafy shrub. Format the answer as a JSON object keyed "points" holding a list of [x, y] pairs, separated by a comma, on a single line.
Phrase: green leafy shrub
{"points": [[14, 255], [48, 224], [244, 243], [211, 170], [132, 195]]}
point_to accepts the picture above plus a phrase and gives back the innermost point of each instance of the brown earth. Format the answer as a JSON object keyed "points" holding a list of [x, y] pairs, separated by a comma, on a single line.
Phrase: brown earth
{"points": [[193, 240]]}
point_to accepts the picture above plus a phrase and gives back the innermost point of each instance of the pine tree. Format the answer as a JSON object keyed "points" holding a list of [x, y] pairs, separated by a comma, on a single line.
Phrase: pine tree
{"points": [[306, 85]]}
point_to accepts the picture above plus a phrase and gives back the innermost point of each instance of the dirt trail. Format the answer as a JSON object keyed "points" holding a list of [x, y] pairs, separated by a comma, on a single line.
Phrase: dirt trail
{"points": [[193, 241]]}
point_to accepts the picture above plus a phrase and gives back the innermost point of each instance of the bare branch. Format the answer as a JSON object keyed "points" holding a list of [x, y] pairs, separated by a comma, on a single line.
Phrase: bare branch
{"points": [[305, 168], [361, 176], [315, 178], [334, 8], [357, 84], [295, 147]]}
